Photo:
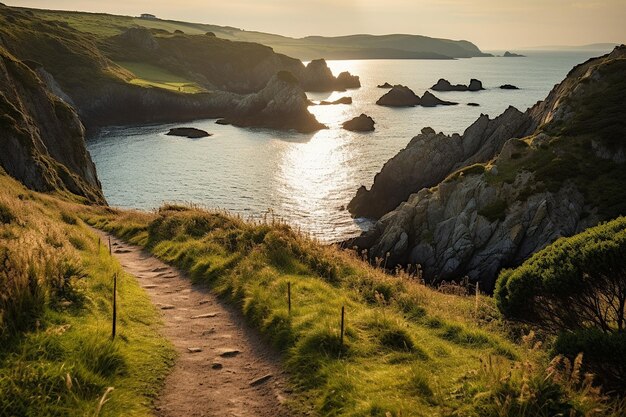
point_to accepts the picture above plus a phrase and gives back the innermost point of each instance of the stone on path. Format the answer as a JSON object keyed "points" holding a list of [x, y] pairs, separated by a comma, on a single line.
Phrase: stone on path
{"points": [[194, 349], [260, 380], [204, 316], [229, 353]]}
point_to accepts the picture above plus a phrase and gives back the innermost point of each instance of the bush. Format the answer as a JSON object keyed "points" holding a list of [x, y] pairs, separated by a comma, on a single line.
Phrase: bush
{"points": [[575, 283], [604, 354]]}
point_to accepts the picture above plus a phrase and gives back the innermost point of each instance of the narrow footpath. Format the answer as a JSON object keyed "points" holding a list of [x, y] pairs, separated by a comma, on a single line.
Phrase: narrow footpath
{"points": [[224, 368]]}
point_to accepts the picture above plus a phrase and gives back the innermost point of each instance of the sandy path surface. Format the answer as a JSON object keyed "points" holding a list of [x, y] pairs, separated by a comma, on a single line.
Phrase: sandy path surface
{"points": [[224, 368]]}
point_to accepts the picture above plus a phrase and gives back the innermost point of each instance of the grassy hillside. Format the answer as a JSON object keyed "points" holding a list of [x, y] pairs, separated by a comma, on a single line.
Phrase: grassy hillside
{"points": [[312, 47], [56, 353], [408, 350], [147, 75]]}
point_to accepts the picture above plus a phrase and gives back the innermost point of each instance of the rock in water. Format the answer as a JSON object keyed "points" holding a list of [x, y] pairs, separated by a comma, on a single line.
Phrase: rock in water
{"points": [[429, 100], [342, 100], [386, 85], [188, 132], [473, 104], [347, 80], [363, 123], [508, 87], [475, 85], [282, 104], [508, 54], [444, 85], [399, 96]]}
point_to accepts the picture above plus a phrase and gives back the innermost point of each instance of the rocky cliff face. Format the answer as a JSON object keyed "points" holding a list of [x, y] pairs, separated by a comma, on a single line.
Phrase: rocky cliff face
{"points": [[430, 157], [487, 200], [41, 138]]}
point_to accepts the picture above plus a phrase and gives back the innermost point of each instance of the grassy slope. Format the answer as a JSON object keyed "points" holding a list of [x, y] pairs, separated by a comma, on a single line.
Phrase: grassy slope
{"points": [[151, 76], [409, 350], [56, 356], [307, 48]]}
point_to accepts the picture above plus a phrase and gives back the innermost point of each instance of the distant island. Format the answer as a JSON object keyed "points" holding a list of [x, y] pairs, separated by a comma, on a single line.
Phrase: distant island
{"points": [[508, 54]]}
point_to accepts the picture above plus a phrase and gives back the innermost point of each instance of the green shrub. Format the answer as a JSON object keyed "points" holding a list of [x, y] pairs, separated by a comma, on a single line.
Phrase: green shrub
{"points": [[577, 282], [604, 354]]}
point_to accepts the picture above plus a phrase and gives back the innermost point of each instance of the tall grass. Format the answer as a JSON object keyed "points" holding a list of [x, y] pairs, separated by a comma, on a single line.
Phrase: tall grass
{"points": [[56, 356], [408, 349]]}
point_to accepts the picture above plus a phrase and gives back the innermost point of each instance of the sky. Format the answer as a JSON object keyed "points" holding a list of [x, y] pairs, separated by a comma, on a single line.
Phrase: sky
{"points": [[490, 24]]}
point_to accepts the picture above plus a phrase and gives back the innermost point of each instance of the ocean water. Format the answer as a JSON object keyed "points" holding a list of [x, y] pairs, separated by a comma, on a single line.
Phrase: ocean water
{"points": [[308, 179]]}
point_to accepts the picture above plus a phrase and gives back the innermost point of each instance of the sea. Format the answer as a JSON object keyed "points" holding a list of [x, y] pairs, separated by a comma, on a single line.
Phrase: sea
{"points": [[307, 180]]}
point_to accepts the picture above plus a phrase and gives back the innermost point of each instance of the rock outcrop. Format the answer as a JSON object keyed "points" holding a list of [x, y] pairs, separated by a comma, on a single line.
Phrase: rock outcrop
{"points": [[319, 78], [385, 85], [430, 157], [508, 87], [487, 200], [429, 100], [340, 100], [282, 104], [42, 141], [188, 132], [399, 96], [508, 54], [362, 123], [444, 85]]}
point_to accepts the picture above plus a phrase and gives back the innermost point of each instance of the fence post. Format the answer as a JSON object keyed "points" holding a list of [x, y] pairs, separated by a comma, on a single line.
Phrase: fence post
{"points": [[476, 302], [110, 251], [343, 313], [289, 296], [113, 328]]}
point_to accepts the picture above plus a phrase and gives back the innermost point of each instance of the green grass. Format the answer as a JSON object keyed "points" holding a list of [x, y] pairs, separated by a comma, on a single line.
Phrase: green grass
{"points": [[56, 353], [408, 350], [152, 76]]}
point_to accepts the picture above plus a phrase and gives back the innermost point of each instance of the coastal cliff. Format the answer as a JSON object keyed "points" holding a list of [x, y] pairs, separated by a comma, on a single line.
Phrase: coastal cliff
{"points": [[471, 205], [42, 141], [103, 92]]}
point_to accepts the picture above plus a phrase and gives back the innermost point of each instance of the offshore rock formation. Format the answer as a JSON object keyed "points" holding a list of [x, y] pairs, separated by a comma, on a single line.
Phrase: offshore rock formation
{"points": [[42, 140], [399, 96], [319, 78], [188, 132], [362, 123], [508, 54], [282, 104], [444, 85], [340, 100], [429, 100], [487, 200]]}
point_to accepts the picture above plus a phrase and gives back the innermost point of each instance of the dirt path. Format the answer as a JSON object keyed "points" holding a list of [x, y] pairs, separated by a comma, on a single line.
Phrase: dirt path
{"points": [[223, 368]]}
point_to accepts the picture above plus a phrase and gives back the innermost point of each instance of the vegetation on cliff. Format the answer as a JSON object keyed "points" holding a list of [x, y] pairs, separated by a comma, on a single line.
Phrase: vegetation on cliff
{"points": [[407, 349], [56, 353]]}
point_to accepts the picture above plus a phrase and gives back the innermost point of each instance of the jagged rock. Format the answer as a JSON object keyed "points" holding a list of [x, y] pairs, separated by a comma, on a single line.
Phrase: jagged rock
{"points": [[508, 54], [318, 77], [399, 96], [475, 85], [363, 123], [508, 87], [282, 104], [469, 219], [429, 100], [341, 100], [386, 85], [430, 157], [42, 141], [473, 104], [188, 132], [444, 85], [347, 80]]}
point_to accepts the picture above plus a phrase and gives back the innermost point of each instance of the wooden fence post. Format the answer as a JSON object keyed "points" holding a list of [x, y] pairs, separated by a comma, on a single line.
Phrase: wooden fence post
{"points": [[343, 313], [289, 296], [110, 251], [113, 328]]}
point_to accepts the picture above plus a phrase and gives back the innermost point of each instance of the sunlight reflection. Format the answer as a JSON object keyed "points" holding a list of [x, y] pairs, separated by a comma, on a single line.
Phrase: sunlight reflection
{"points": [[313, 171]]}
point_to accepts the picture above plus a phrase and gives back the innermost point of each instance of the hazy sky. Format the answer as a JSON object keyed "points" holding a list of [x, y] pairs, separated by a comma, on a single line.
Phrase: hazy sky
{"points": [[491, 24]]}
